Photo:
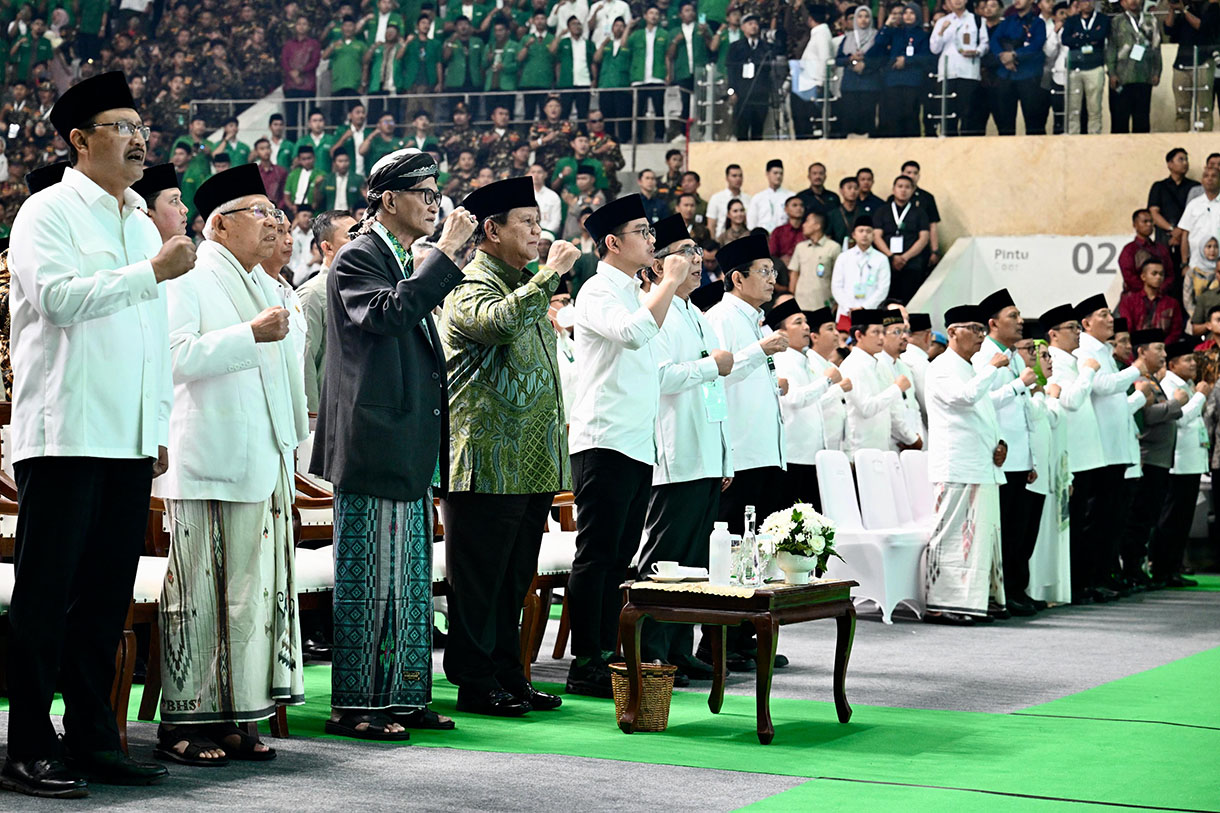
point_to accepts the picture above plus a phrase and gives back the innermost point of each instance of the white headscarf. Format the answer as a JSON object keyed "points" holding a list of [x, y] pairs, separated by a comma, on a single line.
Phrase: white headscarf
{"points": [[861, 37]]}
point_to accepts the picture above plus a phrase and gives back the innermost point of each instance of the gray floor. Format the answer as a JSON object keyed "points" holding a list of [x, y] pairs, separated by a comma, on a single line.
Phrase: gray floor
{"points": [[999, 668]]}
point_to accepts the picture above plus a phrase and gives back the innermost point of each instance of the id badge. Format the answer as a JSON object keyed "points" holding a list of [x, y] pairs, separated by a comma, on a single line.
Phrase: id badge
{"points": [[966, 38], [1086, 49], [897, 243], [714, 403], [747, 70], [821, 269], [13, 131], [910, 50], [1137, 52]]}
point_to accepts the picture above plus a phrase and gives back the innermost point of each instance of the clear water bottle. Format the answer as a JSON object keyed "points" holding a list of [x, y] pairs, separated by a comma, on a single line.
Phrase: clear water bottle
{"points": [[750, 564]]}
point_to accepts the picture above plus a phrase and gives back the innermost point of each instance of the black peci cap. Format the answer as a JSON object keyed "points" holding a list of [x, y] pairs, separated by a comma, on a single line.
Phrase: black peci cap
{"points": [[622, 210], [501, 196], [231, 184], [87, 98]]}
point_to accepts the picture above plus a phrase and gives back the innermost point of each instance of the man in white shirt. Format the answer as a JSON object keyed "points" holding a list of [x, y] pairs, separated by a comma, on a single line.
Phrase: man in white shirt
{"points": [[907, 430], [861, 276], [1075, 379], [694, 454], [91, 408], [566, 9], [961, 42], [916, 356], [874, 397], [801, 405], [965, 456], [1190, 460], [549, 204], [766, 209], [612, 429], [823, 353], [809, 80], [1116, 426], [1200, 220], [602, 15], [1020, 508], [718, 204]]}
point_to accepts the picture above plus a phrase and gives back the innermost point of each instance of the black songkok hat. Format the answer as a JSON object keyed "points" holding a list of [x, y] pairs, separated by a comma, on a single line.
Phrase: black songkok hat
{"points": [[669, 230], [864, 317], [774, 162], [992, 304], [231, 184], [156, 179], [707, 296], [87, 98], [964, 315], [920, 321], [1120, 325], [39, 179], [501, 196], [743, 251], [614, 214], [780, 312], [893, 316], [584, 169], [862, 220], [1091, 306], [1150, 336], [562, 288], [402, 169], [1181, 347], [819, 317], [1057, 315], [1032, 329]]}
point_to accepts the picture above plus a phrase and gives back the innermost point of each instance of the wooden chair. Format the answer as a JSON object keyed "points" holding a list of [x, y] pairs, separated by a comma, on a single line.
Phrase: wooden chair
{"points": [[538, 600]]}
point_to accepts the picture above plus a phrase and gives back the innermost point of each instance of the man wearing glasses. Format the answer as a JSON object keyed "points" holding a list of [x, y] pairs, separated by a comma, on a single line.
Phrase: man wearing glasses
{"points": [[231, 647], [1085, 458], [612, 430], [966, 453], [90, 419]]}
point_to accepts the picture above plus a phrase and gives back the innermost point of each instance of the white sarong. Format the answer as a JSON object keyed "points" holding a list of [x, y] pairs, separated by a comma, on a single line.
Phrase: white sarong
{"points": [[965, 564]]}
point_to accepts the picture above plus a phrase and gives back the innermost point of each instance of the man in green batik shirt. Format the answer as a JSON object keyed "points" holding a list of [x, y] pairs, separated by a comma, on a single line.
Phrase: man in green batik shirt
{"points": [[509, 451]]}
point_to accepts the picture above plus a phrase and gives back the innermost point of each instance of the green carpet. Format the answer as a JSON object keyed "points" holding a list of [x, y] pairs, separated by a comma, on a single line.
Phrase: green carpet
{"points": [[1208, 583]]}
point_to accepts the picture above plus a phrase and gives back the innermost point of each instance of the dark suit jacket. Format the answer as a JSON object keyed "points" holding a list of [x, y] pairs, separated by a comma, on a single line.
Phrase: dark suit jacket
{"points": [[383, 413], [756, 91]]}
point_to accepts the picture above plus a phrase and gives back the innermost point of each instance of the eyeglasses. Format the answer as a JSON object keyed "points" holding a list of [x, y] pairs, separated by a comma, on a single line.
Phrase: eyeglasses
{"points": [[647, 231], [260, 211], [430, 196], [770, 274], [1072, 326], [689, 251], [126, 128], [899, 332]]}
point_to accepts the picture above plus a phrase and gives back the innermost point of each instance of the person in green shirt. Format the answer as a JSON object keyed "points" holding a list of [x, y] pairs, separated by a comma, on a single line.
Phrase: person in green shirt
{"points": [[94, 15], [197, 146], [382, 142], [575, 55], [351, 136], [564, 176], [318, 140], [690, 48], [475, 13], [500, 76], [377, 23], [29, 50], [423, 72], [342, 186], [346, 55], [302, 181], [283, 150], [385, 74], [238, 152], [537, 65], [612, 62], [463, 57], [650, 88]]}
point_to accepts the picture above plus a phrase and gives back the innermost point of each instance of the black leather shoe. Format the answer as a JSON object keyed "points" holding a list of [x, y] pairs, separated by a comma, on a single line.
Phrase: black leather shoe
{"points": [[997, 613], [114, 768], [984, 619], [950, 619], [739, 662], [538, 701], [681, 681], [315, 648], [1020, 608], [694, 668], [48, 778], [1033, 602], [780, 661], [591, 680], [496, 703], [1103, 594], [1082, 598]]}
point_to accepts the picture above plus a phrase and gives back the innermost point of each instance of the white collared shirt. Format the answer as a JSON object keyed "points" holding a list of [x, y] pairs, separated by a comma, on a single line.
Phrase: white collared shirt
{"points": [[618, 388], [917, 359], [607, 12], [1190, 451], [718, 206], [802, 405], [870, 404], [1010, 397], [907, 422], [1201, 218], [689, 445], [650, 38], [1044, 414], [834, 407], [962, 428], [90, 331], [963, 33], [1114, 420], [860, 279], [688, 44], [579, 9], [341, 192], [755, 420], [302, 190], [357, 140], [1083, 439], [818, 53], [766, 209], [550, 210], [580, 65]]}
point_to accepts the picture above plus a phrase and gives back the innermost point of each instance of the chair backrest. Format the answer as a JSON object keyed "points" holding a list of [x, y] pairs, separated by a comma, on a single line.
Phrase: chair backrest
{"points": [[877, 504], [919, 487], [898, 486], [838, 490]]}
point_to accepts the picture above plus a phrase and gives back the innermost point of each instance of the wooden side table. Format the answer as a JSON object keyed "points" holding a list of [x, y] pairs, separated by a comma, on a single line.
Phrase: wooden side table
{"points": [[767, 610]]}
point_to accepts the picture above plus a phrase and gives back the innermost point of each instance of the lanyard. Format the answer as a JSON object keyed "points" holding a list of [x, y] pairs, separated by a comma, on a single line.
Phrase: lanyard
{"points": [[1139, 35], [899, 219], [1089, 25]]}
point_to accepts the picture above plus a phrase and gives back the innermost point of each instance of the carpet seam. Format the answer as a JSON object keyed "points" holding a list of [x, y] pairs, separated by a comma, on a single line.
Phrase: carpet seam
{"points": [[1113, 720]]}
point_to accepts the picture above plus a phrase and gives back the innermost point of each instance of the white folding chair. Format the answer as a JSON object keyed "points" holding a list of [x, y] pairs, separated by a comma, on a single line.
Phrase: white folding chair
{"points": [[878, 553], [919, 487]]}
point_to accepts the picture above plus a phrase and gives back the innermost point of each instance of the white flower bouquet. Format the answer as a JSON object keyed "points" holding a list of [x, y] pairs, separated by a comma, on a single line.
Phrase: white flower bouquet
{"points": [[800, 531]]}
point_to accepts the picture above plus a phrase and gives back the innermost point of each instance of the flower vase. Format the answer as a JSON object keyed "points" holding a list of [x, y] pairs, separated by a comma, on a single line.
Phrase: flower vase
{"points": [[796, 568]]}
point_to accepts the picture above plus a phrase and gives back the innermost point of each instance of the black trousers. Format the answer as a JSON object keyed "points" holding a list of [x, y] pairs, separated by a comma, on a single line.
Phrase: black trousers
{"points": [[578, 99], [1027, 92], [765, 488], [612, 493], [803, 485], [686, 93], [491, 553], [857, 112], [900, 112], [1055, 102], [533, 99], [1020, 516], [1097, 524], [656, 94], [1110, 566], [75, 569], [1084, 483], [967, 108], [905, 283], [750, 121], [680, 517], [1129, 108], [1145, 515], [806, 116], [615, 105], [294, 109], [1177, 512]]}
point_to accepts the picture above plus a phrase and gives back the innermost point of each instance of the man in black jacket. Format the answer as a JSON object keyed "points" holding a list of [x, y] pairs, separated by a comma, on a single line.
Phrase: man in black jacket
{"points": [[383, 440], [751, 84]]}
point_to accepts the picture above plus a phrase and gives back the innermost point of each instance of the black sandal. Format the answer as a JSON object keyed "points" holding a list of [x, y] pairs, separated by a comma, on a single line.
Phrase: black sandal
{"points": [[377, 721], [424, 718], [196, 744], [244, 750]]}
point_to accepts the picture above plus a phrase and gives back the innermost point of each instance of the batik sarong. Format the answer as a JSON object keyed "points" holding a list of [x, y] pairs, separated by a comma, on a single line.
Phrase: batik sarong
{"points": [[230, 634], [382, 653], [965, 564]]}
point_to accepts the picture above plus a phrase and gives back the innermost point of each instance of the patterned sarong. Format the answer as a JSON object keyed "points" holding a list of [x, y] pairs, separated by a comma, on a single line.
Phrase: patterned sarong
{"points": [[382, 654], [965, 563]]}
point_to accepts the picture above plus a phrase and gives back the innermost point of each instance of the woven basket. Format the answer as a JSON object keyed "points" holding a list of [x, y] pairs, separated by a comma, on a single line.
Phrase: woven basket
{"points": [[658, 691]]}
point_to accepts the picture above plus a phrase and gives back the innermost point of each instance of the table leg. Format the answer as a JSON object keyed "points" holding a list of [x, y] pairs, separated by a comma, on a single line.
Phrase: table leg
{"points": [[629, 633], [847, 634], [768, 636], [715, 632]]}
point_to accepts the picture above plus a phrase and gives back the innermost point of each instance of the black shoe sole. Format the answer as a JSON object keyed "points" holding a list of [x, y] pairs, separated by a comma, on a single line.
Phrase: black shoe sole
{"points": [[492, 712], [18, 787]]}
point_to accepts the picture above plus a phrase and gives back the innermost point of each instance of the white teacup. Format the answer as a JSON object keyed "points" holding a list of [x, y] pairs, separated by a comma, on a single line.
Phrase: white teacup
{"points": [[666, 570]]}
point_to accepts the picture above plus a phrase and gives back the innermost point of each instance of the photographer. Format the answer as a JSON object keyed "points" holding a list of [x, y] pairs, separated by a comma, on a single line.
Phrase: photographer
{"points": [[1195, 26]]}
